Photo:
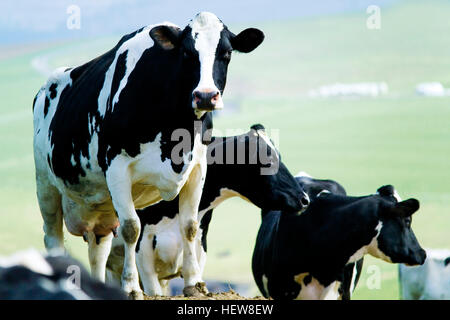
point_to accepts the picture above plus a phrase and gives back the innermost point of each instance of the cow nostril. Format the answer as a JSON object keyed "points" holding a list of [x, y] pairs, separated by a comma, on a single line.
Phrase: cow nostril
{"points": [[304, 201], [196, 95]]}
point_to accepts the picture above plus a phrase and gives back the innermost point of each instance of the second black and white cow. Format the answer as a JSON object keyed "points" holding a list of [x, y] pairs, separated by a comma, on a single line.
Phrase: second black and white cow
{"points": [[304, 256], [160, 249], [107, 136], [314, 187]]}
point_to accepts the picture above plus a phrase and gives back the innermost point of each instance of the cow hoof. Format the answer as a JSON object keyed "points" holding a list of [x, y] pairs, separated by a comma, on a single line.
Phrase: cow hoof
{"points": [[198, 290], [136, 295]]}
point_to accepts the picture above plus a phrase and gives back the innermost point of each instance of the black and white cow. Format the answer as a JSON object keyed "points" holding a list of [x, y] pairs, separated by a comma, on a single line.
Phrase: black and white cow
{"points": [[304, 256], [430, 281], [107, 136], [160, 248], [314, 187], [31, 275]]}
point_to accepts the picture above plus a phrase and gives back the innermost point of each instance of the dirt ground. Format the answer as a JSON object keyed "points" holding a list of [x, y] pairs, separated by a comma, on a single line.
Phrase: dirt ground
{"points": [[229, 295]]}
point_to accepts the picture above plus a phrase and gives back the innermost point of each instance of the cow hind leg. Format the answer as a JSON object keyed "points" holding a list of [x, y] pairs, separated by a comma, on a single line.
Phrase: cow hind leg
{"points": [[49, 200], [146, 266], [165, 287], [99, 248]]}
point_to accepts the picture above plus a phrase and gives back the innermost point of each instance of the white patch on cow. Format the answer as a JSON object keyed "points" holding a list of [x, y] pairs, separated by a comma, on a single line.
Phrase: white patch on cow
{"points": [[265, 282], [42, 141], [353, 281], [30, 259], [148, 169], [225, 194], [311, 291], [314, 290], [397, 196], [371, 248], [267, 140], [72, 160], [331, 292], [322, 192], [303, 174], [206, 29]]}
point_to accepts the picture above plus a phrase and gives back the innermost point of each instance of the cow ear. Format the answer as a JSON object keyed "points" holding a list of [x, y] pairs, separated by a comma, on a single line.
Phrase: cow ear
{"points": [[405, 208], [247, 40], [167, 37], [257, 127], [386, 191]]}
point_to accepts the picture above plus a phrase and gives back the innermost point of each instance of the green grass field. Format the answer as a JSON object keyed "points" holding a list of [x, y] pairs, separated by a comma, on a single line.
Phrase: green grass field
{"points": [[400, 138]]}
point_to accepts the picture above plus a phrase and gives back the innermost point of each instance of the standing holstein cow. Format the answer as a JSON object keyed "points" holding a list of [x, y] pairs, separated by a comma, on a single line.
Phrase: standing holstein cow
{"points": [[105, 135], [159, 249], [305, 256]]}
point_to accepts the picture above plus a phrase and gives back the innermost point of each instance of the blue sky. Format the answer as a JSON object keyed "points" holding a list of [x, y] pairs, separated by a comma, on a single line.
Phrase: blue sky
{"points": [[45, 20]]}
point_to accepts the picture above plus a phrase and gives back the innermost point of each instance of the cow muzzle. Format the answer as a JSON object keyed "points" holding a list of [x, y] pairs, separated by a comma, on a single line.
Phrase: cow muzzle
{"points": [[207, 100]]}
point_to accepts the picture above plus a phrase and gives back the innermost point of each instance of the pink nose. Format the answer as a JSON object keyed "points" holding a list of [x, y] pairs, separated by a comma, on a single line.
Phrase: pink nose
{"points": [[206, 100]]}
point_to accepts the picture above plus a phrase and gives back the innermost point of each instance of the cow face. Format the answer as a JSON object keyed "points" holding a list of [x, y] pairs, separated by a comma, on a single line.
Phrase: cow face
{"points": [[205, 46], [269, 183], [397, 242]]}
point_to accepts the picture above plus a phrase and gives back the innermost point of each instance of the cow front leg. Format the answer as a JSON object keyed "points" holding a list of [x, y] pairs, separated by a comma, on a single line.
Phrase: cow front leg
{"points": [[98, 251], [189, 199], [119, 184]]}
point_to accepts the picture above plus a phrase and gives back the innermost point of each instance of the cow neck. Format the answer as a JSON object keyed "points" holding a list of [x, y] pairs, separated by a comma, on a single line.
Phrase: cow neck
{"points": [[341, 225]]}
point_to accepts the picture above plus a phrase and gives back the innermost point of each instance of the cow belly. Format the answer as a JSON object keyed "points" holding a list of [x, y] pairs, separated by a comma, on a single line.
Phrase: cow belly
{"points": [[145, 195]]}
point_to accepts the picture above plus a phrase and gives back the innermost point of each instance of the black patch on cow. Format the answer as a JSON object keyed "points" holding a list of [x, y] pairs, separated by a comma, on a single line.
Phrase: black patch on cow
{"points": [[49, 162], [98, 238], [204, 225], [307, 280], [154, 242], [154, 214], [52, 90], [46, 106], [119, 73], [447, 261], [35, 98]]}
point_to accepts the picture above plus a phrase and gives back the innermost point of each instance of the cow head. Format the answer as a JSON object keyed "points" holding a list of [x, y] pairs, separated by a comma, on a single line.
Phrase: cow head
{"points": [[205, 46], [268, 182], [396, 241]]}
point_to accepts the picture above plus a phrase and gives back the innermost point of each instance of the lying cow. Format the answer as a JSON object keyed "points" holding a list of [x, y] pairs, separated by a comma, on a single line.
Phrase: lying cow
{"points": [[430, 281], [30, 275], [105, 135], [304, 256], [314, 187], [160, 249]]}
